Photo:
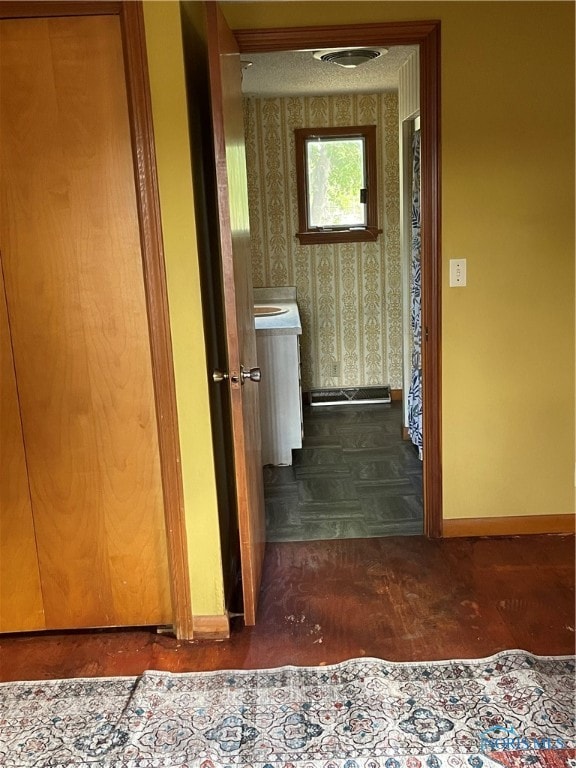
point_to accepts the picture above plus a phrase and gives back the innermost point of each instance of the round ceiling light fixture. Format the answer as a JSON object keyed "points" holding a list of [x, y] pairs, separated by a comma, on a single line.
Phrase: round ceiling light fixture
{"points": [[350, 57]]}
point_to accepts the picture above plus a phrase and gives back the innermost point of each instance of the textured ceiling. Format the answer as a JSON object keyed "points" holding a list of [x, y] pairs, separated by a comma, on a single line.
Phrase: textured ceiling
{"points": [[291, 73]]}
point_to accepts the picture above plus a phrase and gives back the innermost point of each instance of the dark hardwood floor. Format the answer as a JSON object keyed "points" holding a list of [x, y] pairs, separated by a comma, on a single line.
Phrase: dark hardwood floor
{"points": [[398, 598]]}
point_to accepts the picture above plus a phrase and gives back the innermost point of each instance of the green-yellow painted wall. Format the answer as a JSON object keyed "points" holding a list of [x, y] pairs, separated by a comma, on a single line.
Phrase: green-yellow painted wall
{"points": [[165, 61], [508, 208]]}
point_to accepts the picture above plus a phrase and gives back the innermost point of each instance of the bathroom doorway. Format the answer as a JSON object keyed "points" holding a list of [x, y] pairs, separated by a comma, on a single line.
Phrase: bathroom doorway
{"points": [[319, 479]]}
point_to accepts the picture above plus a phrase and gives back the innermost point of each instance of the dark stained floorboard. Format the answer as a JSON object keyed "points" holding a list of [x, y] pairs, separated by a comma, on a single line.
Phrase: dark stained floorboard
{"points": [[398, 598]]}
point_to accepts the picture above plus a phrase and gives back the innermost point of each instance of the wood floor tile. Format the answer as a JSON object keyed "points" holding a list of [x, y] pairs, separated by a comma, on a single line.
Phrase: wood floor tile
{"points": [[333, 477]]}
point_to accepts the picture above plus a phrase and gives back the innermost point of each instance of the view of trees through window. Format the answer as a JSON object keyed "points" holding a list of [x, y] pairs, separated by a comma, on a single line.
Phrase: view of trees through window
{"points": [[337, 184], [336, 179]]}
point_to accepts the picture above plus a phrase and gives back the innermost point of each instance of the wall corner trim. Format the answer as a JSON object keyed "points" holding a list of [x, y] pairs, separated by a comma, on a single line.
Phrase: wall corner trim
{"points": [[509, 526], [211, 627]]}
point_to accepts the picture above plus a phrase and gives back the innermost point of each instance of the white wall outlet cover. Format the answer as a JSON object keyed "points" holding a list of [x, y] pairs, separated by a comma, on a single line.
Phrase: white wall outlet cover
{"points": [[457, 273]]}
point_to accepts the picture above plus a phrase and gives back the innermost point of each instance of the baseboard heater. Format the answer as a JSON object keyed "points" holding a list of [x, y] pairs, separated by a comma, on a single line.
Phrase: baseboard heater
{"points": [[350, 395]]}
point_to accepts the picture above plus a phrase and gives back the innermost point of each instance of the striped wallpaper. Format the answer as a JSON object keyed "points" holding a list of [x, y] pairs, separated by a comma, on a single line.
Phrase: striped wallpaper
{"points": [[349, 294]]}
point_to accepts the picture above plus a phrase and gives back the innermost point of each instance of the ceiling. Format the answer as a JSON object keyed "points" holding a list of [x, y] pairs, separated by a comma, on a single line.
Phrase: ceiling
{"points": [[298, 73]]}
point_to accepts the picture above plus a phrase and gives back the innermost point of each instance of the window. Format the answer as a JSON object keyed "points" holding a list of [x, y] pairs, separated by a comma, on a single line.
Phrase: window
{"points": [[337, 189]]}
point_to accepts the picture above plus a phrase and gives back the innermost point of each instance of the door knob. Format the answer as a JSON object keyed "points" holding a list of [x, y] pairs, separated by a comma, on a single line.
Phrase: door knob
{"points": [[253, 374], [218, 376]]}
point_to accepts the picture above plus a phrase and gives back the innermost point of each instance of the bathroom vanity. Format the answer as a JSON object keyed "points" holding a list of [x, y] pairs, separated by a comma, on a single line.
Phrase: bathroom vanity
{"points": [[278, 330]]}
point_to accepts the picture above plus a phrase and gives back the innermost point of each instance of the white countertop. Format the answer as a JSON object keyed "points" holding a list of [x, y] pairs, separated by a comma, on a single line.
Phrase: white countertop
{"points": [[276, 325], [284, 324]]}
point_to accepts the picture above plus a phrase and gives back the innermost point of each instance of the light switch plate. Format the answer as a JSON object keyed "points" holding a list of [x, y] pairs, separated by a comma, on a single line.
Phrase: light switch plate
{"points": [[457, 273]]}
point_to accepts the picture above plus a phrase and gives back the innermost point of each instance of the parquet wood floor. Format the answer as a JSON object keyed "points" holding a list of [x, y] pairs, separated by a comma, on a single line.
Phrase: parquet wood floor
{"points": [[354, 477]]}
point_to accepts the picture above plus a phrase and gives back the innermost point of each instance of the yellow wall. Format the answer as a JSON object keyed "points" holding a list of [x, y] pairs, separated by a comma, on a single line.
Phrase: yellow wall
{"points": [[165, 61], [508, 207]]}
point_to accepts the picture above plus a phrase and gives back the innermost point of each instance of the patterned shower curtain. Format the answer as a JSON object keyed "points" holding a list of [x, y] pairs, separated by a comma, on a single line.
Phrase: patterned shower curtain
{"points": [[415, 391]]}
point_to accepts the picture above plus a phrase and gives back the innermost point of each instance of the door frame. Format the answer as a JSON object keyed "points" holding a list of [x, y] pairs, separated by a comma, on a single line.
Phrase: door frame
{"points": [[131, 20], [426, 34]]}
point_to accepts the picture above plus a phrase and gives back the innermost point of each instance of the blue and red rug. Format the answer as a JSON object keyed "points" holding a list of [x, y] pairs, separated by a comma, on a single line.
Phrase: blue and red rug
{"points": [[513, 710]]}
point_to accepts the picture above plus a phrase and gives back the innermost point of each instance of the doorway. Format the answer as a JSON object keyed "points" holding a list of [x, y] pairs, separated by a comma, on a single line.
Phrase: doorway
{"points": [[426, 37]]}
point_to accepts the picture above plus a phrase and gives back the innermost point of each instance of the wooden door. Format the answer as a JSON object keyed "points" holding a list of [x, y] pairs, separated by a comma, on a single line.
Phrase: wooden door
{"points": [[79, 328], [20, 590], [232, 193]]}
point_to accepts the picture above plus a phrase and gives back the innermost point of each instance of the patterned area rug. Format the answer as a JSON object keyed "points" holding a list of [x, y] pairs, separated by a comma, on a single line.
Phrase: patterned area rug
{"points": [[512, 709]]}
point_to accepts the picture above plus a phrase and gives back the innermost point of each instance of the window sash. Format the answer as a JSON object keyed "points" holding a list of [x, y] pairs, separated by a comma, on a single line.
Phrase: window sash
{"points": [[313, 229]]}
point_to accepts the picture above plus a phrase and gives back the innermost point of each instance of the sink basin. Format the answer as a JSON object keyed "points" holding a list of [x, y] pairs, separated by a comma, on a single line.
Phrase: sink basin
{"points": [[267, 311]]}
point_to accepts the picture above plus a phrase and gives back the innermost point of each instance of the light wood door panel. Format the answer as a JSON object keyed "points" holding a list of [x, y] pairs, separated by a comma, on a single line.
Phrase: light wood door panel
{"points": [[76, 301], [21, 605], [228, 125]]}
